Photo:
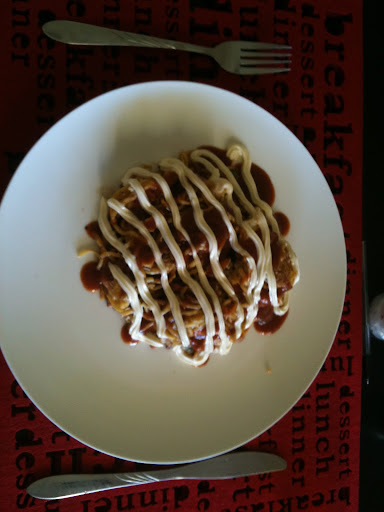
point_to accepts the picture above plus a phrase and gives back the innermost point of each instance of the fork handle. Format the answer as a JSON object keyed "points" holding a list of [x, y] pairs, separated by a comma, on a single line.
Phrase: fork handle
{"points": [[73, 32]]}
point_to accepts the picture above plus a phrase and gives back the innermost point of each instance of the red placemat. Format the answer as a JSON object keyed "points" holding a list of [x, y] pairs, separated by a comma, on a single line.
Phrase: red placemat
{"points": [[320, 100]]}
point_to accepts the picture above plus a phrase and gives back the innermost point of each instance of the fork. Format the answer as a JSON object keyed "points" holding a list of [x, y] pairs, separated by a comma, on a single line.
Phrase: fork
{"points": [[239, 57]]}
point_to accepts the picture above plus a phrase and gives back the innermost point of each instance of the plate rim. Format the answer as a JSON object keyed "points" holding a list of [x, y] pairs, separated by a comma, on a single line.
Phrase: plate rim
{"points": [[13, 183]]}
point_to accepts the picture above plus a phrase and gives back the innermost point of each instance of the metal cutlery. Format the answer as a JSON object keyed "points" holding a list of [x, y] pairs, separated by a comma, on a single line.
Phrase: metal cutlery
{"points": [[226, 466], [239, 57]]}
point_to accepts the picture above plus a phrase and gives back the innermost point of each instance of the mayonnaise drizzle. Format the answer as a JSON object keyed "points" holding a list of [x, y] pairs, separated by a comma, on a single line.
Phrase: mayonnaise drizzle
{"points": [[238, 151], [214, 254], [130, 260], [129, 288], [216, 191], [138, 171], [185, 276], [198, 156], [132, 219], [210, 198]]}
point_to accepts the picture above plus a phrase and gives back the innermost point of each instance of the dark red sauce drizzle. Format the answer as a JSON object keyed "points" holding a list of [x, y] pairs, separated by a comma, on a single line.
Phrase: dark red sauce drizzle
{"points": [[267, 322], [283, 223], [126, 337], [91, 277], [93, 230], [264, 184]]}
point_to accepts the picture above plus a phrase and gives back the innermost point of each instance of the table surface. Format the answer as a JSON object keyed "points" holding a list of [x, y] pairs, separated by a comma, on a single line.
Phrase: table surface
{"points": [[372, 427], [372, 444]]}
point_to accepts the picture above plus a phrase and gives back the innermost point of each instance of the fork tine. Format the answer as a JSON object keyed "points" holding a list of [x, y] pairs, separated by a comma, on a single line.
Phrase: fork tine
{"points": [[250, 46], [261, 71], [260, 62], [257, 53]]}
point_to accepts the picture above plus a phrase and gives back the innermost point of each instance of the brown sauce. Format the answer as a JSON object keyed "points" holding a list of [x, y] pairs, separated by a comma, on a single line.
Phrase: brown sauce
{"points": [[198, 345], [147, 326], [267, 322], [264, 184], [136, 208], [150, 224], [198, 238], [145, 256], [216, 223], [239, 292], [91, 277], [126, 337], [250, 247], [171, 177], [283, 223], [154, 192], [229, 308], [142, 251], [93, 230], [276, 250]]}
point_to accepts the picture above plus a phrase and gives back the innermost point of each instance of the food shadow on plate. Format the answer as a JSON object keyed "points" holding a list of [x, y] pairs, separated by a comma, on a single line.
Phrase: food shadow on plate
{"points": [[148, 130]]}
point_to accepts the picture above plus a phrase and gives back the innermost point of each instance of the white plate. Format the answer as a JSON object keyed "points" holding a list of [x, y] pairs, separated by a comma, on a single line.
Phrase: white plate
{"points": [[64, 345]]}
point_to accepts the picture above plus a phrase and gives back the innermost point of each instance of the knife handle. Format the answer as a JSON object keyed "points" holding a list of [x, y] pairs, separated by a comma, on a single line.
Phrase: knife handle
{"points": [[67, 486]]}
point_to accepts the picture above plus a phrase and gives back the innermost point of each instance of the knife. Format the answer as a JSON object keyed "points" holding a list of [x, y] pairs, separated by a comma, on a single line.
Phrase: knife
{"points": [[218, 468]]}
